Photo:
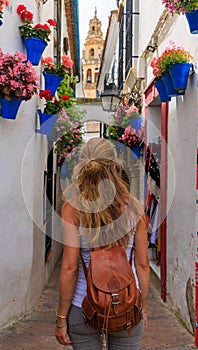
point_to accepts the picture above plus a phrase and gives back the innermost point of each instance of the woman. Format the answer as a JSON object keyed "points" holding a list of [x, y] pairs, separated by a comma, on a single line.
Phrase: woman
{"points": [[99, 211]]}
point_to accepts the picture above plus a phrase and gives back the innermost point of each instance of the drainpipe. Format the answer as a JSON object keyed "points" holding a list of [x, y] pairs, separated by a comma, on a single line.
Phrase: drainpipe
{"points": [[196, 268], [163, 197], [76, 18]]}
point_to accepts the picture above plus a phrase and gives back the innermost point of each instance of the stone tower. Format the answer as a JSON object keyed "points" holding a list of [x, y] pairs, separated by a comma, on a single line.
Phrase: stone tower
{"points": [[92, 55]]}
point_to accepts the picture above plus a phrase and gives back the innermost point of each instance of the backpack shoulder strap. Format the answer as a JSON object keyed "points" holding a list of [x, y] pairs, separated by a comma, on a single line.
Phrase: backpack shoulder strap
{"points": [[131, 256]]}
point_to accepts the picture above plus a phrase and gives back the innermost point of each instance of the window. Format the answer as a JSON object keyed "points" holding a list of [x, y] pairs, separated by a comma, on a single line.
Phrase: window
{"points": [[89, 75], [121, 51], [91, 53], [128, 60], [93, 29], [96, 78], [132, 34]]}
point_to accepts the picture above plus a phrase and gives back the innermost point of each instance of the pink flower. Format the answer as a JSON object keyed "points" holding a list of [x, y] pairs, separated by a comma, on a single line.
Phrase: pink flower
{"points": [[67, 61], [131, 110]]}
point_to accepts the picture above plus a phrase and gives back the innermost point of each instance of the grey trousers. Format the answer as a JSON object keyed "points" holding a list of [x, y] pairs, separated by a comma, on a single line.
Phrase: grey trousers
{"points": [[85, 337]]}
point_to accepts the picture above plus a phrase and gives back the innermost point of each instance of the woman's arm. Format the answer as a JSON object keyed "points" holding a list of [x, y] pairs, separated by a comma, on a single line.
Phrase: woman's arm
{"points": [[68, 273], [142, 262]]}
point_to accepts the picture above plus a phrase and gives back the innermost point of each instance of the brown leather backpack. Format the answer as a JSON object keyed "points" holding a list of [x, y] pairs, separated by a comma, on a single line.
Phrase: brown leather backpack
{"points": [[112, 302]]}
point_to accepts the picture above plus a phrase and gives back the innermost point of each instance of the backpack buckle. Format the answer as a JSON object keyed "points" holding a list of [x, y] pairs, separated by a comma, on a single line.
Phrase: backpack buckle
{"points": [[117, 299], [128, 325]]}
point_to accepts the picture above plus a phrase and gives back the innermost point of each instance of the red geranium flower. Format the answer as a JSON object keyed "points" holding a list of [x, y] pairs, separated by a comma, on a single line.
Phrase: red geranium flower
{"points": [[51, 22], [46, 94], [20, 9], [65, 97], [27, 15]]}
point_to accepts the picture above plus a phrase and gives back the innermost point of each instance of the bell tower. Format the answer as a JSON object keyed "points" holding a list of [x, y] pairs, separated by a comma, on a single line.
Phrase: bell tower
{"points": [[92, 55]]}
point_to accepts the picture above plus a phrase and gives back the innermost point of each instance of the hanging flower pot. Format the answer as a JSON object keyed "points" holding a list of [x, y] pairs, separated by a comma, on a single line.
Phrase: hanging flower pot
{"points": [[136, 123], [192, 18], [162, 91], [52, 82], [169, 86], [10, 108], [47, 122], [179, 74], [136, 152], [34, 49]]}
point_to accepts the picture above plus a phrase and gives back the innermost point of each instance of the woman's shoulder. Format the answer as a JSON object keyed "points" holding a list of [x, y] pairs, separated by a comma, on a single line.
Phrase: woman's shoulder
{"points": [[138, 210], [68, 213]]}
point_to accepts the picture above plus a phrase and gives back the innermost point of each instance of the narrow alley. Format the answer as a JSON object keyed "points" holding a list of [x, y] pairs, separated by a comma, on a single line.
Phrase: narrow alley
{"points": [[35, 331]]}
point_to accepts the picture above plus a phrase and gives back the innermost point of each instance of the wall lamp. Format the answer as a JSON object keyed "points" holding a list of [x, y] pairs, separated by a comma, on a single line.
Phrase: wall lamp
{"points": [[110, 98], [153, 44]]}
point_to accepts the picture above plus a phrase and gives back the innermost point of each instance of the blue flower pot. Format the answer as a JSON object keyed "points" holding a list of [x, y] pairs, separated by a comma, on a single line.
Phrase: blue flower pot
{"points": [[136, 123], [192, 18], [136, 152], [169, 86], [179, 73], [162, 91], [34, 49], [52, 82], [10, 108], [47, 122]]}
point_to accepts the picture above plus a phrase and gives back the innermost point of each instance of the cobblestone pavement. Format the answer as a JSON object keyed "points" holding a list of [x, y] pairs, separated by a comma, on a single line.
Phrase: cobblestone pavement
{"points": [[35, 331]]}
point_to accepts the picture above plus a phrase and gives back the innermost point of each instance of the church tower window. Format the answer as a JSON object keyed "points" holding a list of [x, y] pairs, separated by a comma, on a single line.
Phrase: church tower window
{"points": [[91, 53], [89, 75]]}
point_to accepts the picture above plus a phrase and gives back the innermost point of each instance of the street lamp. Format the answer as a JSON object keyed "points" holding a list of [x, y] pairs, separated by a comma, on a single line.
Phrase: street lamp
{"points": [[110, 98]]}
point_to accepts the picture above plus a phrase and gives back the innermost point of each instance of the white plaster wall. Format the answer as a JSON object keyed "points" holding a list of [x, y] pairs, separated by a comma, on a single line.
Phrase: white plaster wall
{"points": [[23, 160], [182, 136], [110, 54], [181, 224], [150, 12], [94, 111], [154, 124]]}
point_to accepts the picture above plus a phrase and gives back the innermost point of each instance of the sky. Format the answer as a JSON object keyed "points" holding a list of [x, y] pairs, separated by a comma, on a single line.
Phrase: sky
{"points": [[87, 11]]}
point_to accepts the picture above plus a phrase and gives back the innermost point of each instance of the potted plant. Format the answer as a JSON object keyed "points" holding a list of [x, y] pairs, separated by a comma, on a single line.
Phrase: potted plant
{"points": [[187, 7], [55, 72], [165, 96], [134, 139], [2, 3], [128, 113], [113, 132], [51, 111], [35, 37], [18, 82], [173, 58], [132, 118]]}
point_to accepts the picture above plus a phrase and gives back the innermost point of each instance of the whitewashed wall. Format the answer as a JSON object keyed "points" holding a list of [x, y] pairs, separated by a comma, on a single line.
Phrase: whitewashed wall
{"points": [[182, 136], [181, 223], [22, 249]]}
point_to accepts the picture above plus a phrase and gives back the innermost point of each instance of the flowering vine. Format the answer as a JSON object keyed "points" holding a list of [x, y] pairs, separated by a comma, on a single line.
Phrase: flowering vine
{"points": [[70, 137]]}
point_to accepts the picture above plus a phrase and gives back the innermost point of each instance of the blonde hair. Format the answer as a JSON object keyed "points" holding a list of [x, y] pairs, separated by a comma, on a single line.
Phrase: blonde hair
{"points": [[101, 198]]}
